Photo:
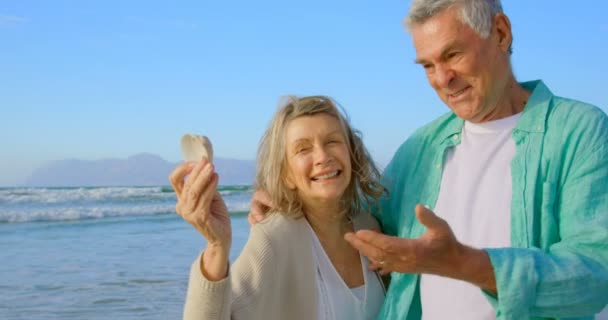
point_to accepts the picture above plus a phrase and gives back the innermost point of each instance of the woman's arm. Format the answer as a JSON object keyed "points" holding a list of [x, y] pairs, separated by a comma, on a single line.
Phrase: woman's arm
{"points": [[238, 295]]}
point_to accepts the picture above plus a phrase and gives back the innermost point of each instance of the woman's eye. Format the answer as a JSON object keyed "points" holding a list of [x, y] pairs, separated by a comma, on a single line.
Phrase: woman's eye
{"points": [[334, 141]]}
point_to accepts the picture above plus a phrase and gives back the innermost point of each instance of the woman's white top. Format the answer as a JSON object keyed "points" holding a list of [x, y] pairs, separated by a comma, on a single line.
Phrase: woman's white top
{"points": [[336, 300]]}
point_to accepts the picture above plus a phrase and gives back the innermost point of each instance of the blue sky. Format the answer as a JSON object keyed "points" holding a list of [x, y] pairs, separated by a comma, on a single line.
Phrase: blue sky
{"points": [[109, 79]]}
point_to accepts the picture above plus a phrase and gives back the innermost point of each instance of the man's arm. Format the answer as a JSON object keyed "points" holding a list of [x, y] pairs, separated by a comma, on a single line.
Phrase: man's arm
{"points": [[259, 206], [568, 275], [569, 278], [437, 251]]}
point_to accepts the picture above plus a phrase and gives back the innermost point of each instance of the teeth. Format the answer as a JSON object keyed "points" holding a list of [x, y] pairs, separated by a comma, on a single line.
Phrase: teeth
{"points": [[458, 93], [327, 176]]}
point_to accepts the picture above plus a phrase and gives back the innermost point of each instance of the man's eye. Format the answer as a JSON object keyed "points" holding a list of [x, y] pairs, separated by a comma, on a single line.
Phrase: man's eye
{"points": [[427, 67], [429, 70], [452, 55]]}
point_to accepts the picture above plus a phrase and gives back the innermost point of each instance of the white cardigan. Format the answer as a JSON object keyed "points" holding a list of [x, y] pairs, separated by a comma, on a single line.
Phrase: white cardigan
{"points": [[272, 279]]}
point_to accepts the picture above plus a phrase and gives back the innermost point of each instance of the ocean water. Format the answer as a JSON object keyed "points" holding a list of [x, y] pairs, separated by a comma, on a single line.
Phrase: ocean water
{"points": [[100, 253]]}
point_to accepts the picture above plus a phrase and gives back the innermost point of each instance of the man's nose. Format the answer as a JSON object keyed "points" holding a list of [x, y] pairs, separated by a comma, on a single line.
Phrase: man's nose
{"points": [[444, 76]]}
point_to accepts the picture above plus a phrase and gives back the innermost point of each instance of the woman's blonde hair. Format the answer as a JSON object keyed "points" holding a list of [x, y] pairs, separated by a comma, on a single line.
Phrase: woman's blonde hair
{"points": [[364, 188]]}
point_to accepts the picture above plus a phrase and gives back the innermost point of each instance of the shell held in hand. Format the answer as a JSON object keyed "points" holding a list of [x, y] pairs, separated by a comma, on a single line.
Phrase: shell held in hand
{"points": [[196, 147]]}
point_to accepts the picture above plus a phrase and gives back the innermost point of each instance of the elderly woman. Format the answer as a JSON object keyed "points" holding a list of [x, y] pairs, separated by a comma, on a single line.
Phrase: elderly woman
{"points": [[296, 264]]}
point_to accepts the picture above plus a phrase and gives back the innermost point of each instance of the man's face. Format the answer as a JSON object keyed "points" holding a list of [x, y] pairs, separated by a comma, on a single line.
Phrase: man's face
{"points": [[468, 73]]}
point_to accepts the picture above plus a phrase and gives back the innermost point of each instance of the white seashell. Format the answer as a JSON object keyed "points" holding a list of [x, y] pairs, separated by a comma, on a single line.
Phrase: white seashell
{"points": [[195, 148]]}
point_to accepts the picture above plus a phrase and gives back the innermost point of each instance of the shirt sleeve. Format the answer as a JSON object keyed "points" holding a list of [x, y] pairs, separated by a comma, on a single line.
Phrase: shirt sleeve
{"points": [[393, 179], [236, 296], [570, 279]]}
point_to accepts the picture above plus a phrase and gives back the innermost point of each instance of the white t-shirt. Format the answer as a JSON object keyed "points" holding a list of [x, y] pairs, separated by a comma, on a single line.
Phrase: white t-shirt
{"points": [[475, 199], [339, 302]]}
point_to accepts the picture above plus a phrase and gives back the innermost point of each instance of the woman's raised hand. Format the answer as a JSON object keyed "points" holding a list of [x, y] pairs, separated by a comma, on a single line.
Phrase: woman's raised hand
{"points": [[199, 203]]}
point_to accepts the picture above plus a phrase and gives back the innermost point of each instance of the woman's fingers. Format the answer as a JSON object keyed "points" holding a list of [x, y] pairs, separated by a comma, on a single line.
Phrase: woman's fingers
{"points": [[204, 219], [195, 185], [195, 172], [177, 177], [202, 181], [203, 208]]}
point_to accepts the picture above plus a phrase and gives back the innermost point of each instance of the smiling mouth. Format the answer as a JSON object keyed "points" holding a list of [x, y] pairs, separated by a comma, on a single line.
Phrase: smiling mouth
{"points": [[458, 93], [329, 175]]}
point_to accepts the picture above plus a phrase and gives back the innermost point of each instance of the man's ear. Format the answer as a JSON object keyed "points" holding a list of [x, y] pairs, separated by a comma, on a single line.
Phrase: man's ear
{"points": [[502, 29]]}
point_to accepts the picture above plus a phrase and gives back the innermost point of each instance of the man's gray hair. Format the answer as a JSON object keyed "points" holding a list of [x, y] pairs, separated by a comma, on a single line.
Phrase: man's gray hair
{"points": [[477, 14]]}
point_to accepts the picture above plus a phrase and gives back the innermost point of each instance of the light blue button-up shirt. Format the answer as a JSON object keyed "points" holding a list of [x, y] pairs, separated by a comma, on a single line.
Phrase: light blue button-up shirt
{"points": [[557, 265]]}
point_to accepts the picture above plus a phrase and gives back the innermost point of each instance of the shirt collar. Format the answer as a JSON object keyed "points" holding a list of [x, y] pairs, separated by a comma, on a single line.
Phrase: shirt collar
{"points": [[534, 116], [453, 127]]}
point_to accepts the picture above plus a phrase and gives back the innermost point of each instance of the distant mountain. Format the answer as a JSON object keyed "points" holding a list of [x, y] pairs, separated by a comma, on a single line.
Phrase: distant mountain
{"points": [[139, 170]]}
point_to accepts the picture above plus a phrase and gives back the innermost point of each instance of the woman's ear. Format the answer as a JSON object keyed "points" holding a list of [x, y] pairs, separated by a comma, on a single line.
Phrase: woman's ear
{"points": [[289, 182]]}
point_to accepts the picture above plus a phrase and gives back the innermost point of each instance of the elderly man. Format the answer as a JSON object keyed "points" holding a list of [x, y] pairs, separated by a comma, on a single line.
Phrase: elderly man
{"points": [[513, 184], [516, 178]]}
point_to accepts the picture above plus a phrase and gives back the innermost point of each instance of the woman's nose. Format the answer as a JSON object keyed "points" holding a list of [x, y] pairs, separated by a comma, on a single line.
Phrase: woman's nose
{"points": [[322, 156]]}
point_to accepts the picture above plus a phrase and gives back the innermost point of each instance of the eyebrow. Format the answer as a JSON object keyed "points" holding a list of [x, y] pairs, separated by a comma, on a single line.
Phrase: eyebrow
{"points": [[419, 61], [337, 131], [299, 141], [302, 140], [450, 46]]}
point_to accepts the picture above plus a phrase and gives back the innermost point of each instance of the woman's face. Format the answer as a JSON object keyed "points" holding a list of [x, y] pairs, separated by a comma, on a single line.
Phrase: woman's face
{"points": [[318, 160]]}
